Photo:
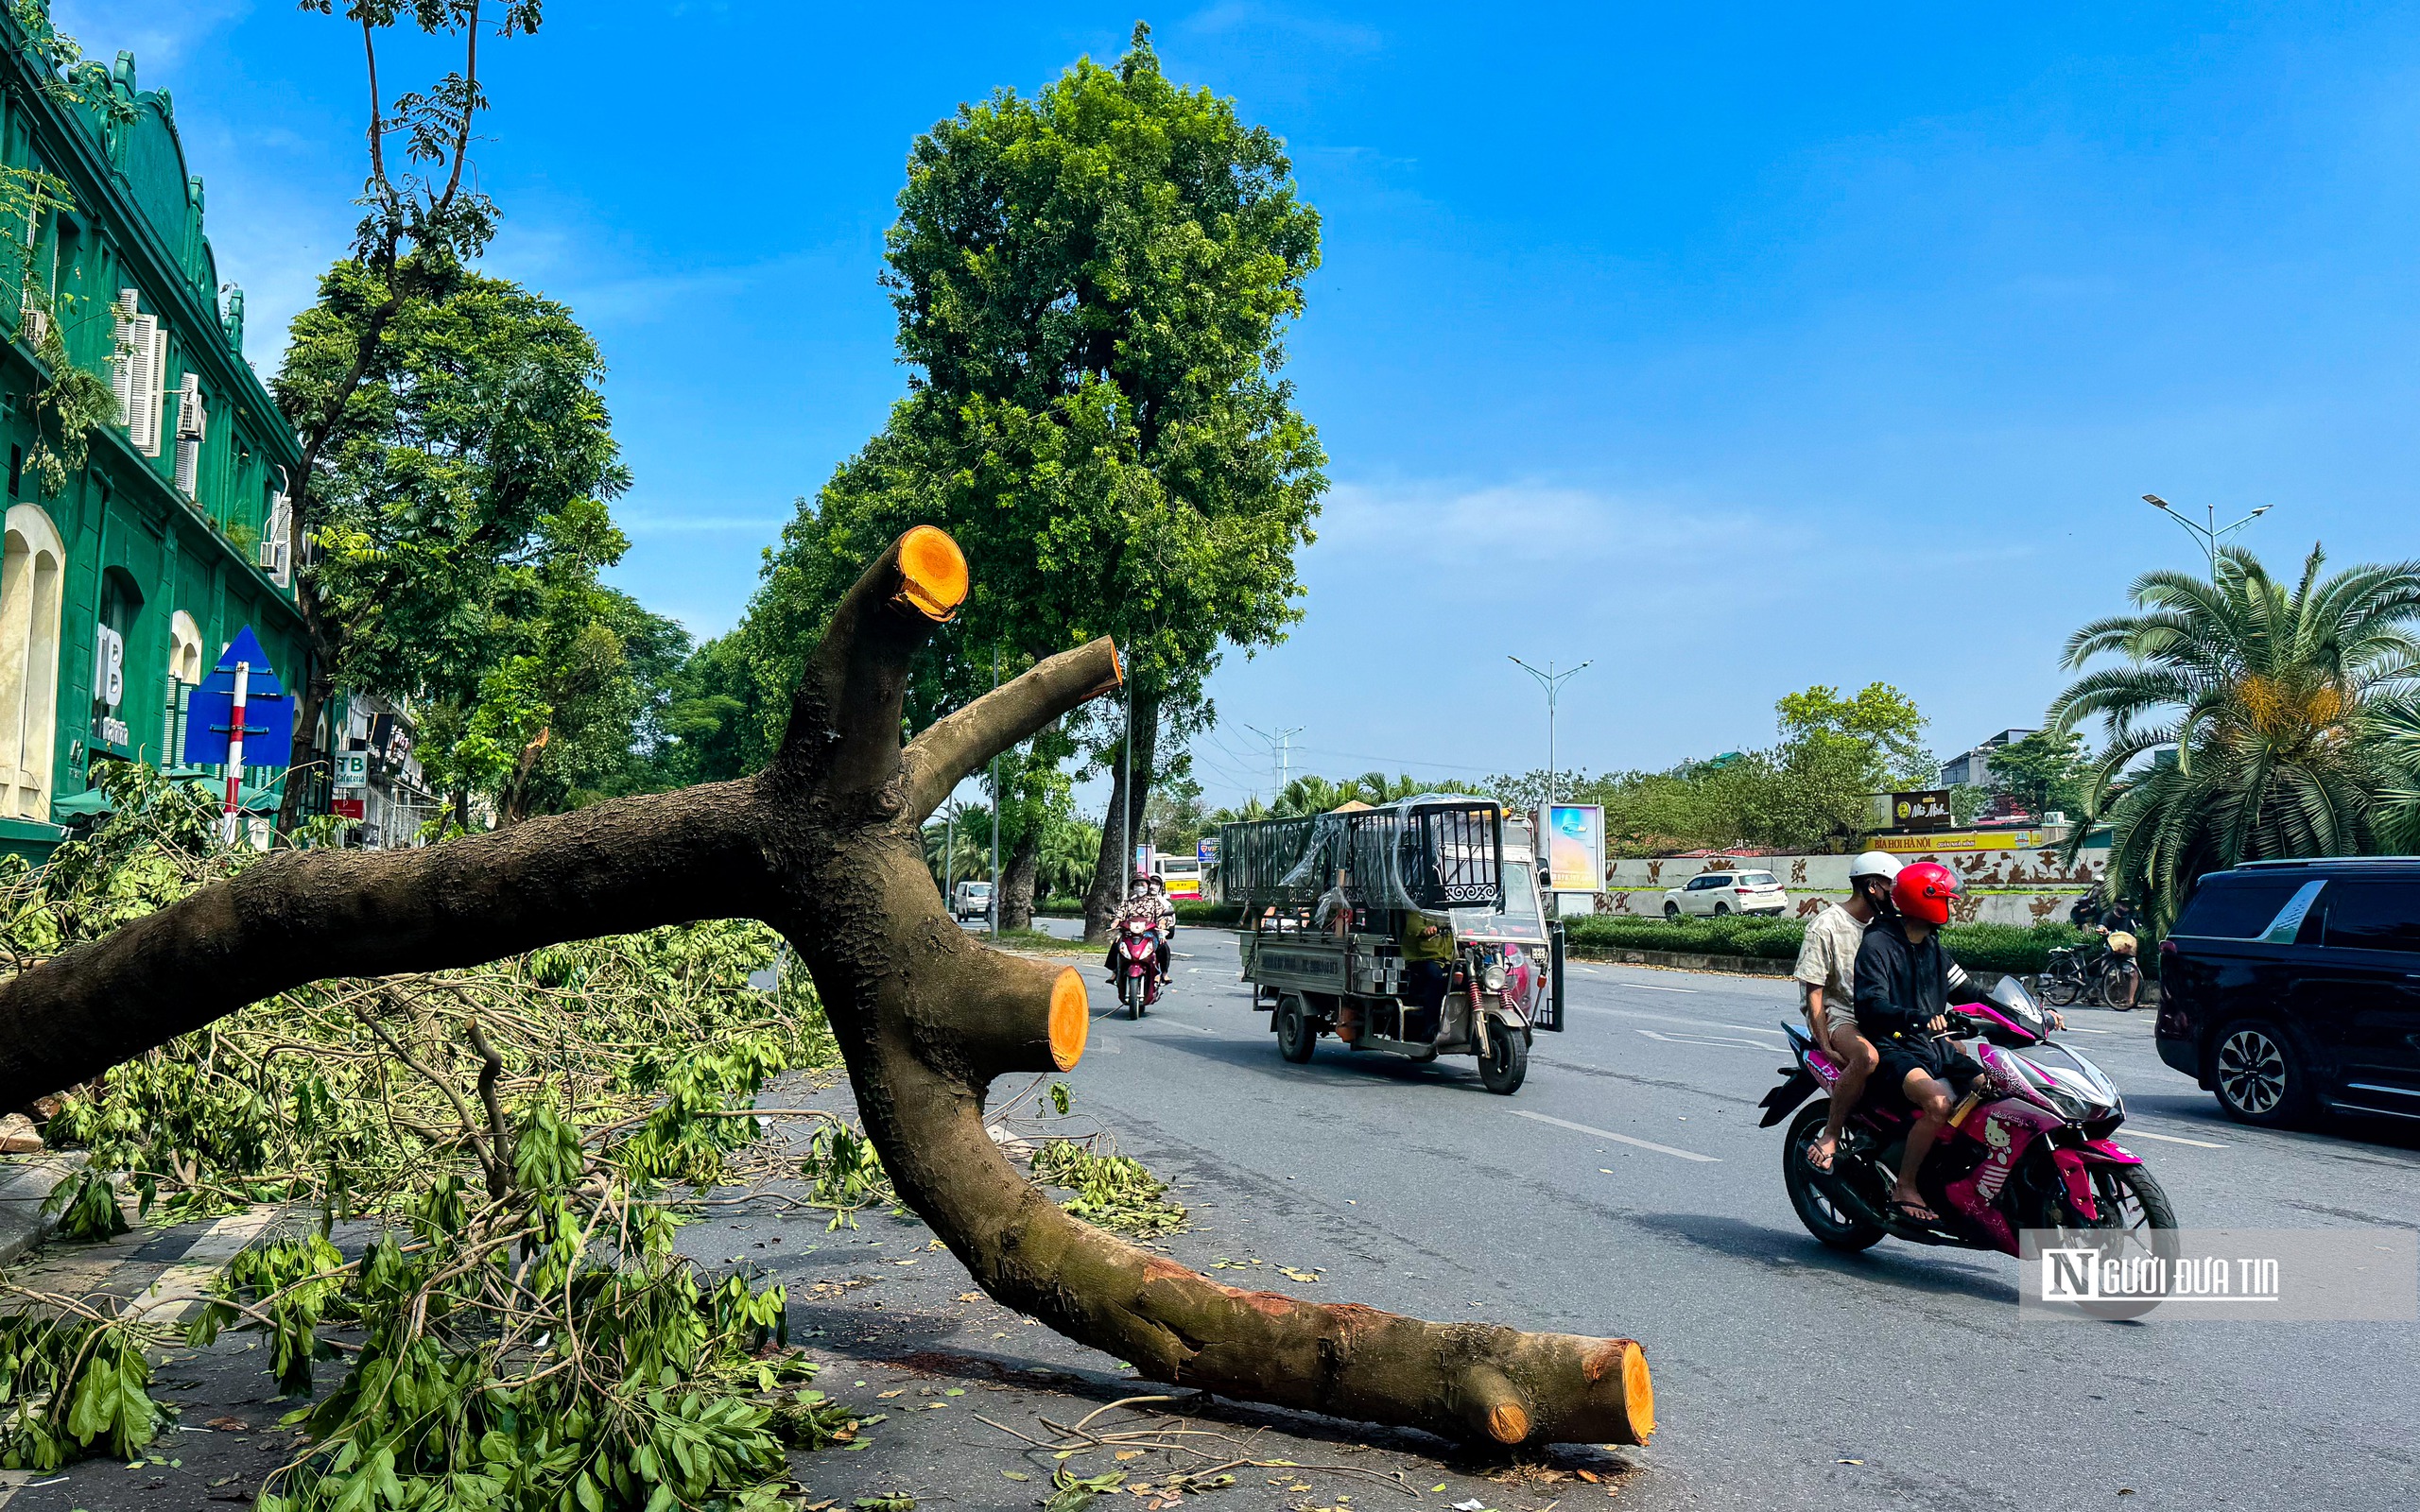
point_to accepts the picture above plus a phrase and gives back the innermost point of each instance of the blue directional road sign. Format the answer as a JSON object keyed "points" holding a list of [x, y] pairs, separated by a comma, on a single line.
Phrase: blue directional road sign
{"points": [[268, 711]]}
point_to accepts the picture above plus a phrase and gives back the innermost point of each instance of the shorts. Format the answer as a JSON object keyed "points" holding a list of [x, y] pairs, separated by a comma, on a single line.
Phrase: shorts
{"points": [[1840, 1018], [1937, 1058]]}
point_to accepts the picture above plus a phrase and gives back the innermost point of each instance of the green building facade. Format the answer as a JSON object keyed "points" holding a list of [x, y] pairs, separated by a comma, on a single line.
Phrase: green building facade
{"points": [[121, 587]]}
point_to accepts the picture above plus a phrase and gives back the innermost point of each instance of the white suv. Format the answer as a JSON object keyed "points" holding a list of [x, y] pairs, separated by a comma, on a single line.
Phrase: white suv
{"points": [[1727, 892]]}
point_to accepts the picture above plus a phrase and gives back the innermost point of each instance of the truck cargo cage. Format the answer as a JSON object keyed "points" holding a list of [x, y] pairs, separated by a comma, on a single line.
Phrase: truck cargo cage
{"points": [[1436, 851]]}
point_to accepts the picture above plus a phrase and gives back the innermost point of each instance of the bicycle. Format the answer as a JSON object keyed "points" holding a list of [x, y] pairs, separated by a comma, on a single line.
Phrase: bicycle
{"points": [[2099, 980]]}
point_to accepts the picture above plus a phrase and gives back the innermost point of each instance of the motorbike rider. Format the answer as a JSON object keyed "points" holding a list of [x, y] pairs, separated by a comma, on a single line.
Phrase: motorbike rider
{"points": [[1155, 911], [1905, 983], [1826, 974]]}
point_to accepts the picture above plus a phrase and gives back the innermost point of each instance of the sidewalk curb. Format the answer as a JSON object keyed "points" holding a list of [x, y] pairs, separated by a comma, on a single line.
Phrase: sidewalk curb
{"points": [[24, 1188]]}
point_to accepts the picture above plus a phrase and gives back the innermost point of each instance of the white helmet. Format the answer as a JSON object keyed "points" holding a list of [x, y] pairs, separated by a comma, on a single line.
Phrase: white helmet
{"points": [[1875, 863]]}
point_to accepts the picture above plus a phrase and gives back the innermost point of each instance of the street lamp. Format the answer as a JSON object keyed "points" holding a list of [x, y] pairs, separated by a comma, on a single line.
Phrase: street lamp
{"points": [[1553, 681], [2209, 533]]}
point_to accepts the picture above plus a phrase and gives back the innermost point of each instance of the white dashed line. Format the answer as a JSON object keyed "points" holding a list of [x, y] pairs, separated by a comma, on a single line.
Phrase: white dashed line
{"points": [[1618, 1139], [1759, 1046], [2170, 1139]]}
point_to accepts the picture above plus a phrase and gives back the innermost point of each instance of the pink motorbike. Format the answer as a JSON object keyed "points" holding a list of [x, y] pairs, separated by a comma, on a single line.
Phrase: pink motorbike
{"points": [[1138, 967], [2029, 1148]]}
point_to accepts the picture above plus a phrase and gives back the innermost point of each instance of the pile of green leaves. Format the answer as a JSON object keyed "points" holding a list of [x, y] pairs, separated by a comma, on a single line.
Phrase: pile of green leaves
{"points": [[496, 1159], [1112, 1191]]}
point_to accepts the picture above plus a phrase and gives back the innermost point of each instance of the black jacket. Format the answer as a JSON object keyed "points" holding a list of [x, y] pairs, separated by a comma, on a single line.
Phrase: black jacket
{"points": [[1902, 987]]}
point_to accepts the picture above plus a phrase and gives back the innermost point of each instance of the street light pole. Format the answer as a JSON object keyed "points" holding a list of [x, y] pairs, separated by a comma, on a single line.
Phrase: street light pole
{"points": [[2208, 534], [1553, 681]]}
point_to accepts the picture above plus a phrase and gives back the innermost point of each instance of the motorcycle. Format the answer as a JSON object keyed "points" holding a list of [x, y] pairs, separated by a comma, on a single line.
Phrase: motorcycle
{"points": [[2030, 1147], [1138, 967]]}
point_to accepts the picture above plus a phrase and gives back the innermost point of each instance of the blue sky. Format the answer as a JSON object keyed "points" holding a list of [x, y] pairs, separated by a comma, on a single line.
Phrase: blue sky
{"points": [[1736, 348]]}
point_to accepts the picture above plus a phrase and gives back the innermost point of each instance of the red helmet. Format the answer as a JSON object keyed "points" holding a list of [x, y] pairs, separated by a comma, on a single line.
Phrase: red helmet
{"points": [[1922, 892]]}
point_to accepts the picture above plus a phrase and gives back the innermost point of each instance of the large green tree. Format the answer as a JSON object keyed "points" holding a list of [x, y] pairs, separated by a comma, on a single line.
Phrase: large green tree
{"points": [[1092, 287], [424, 220], [461, 510], [2290, 708], [2045, 771]]}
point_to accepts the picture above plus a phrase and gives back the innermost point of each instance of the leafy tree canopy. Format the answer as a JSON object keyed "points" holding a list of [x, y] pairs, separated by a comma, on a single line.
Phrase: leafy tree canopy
{"points": [[2290, 709]]}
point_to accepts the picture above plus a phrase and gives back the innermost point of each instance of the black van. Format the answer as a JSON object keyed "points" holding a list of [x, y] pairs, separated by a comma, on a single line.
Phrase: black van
{"points": [[2290, 986]]}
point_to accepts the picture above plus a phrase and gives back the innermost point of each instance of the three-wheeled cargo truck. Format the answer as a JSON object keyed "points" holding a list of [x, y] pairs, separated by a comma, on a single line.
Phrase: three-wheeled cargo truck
{"points": [[1405, 929]]}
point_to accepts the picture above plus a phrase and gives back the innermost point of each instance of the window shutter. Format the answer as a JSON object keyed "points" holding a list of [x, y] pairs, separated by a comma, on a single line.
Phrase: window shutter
{"points": [[155, 403], [139, 378], [122, 356], [188, 463]]}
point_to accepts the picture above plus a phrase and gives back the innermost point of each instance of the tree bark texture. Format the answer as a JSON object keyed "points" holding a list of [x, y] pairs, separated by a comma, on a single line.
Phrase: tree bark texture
{"points": [[1017, 880], [823, 845], [1129, 792]]}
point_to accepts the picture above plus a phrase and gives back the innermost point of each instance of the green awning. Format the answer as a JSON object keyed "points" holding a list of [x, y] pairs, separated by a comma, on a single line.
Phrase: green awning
{"points": [[93, 801]]}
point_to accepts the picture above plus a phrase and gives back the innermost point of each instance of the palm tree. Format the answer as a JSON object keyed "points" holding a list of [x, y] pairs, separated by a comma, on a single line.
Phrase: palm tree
{"points": [[2291, 713]]}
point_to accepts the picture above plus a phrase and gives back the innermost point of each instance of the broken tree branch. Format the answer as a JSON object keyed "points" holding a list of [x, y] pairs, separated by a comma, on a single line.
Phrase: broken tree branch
{"points": [[823, 845]]}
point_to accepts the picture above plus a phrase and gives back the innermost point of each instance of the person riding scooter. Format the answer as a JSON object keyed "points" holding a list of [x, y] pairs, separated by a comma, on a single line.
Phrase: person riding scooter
{"points": [[1154, 910], [1905, 981], [1826, 974]]}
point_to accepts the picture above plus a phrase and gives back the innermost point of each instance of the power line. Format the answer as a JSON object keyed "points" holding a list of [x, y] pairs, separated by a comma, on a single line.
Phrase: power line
{"points": [[1281, 754], [1394, 761]]}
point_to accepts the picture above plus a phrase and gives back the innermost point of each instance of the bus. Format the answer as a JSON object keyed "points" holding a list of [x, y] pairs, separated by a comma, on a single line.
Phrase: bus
{"points": [[1183, 875]]}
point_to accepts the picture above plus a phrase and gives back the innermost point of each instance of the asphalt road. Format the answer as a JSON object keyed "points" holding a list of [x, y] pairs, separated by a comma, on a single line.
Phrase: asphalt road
{"points": [[1626, 1189]]}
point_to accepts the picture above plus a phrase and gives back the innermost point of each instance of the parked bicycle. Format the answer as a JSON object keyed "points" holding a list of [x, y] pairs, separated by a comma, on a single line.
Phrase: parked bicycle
{"points": [[2097, 977]]}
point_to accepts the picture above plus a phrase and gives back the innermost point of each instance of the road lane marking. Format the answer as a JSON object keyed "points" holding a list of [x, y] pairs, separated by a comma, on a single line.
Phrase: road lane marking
{"points": [[2170, 1139], [1711, 1041], [1667, 1017], [1650, 986], [1618, 1139]]}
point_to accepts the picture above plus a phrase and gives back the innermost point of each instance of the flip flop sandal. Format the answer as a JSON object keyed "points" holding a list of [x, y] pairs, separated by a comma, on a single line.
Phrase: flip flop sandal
{"points": [[1821, 1162], [1916, 1213]]}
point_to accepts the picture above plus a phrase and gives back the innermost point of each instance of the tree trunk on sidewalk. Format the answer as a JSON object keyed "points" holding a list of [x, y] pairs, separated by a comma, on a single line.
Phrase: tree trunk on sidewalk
{"points": [[1016, 881], [823, 844], [308, 758], [1128, 793]]}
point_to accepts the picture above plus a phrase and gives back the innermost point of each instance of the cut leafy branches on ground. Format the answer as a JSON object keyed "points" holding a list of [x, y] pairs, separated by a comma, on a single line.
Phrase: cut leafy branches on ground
{"points": [[1112, 1191], [493, 1157]]}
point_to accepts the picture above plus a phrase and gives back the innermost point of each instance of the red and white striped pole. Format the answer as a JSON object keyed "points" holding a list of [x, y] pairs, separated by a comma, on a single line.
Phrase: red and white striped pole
{"points": [[235, 755]]}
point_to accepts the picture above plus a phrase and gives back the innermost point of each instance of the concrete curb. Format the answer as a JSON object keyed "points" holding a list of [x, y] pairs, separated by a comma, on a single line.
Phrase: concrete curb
{"points": [[25, 1184]]}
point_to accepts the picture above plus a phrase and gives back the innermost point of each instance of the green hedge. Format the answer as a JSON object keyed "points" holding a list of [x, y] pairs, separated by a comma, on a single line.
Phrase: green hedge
{"points": [[1209, 916], [1978, 947]]}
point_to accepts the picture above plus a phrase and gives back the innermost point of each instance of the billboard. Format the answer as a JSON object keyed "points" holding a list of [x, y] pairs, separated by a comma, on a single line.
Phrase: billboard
{"points": [[1575, 847], [1926, 810], [1971, 840]]}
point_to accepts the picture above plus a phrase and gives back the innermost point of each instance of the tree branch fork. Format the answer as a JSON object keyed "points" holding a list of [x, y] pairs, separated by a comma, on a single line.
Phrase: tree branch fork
{"points": [[823, 845]]}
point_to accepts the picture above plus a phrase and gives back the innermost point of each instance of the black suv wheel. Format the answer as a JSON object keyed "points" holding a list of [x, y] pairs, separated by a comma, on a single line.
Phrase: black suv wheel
{"points": [[2258, 1077]]}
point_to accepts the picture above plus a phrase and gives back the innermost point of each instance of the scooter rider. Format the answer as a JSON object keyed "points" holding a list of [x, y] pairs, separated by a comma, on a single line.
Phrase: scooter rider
{"points": [[1153, 909], [1905, 982], [1826, 974]]}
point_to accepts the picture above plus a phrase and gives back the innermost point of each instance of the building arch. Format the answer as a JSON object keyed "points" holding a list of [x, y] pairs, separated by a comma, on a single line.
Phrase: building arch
{"points": [[184, 648], [30, 576]]}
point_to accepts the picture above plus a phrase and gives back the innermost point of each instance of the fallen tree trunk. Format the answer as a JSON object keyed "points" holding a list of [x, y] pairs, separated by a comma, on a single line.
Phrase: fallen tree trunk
{"points": [[823, 845]]}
